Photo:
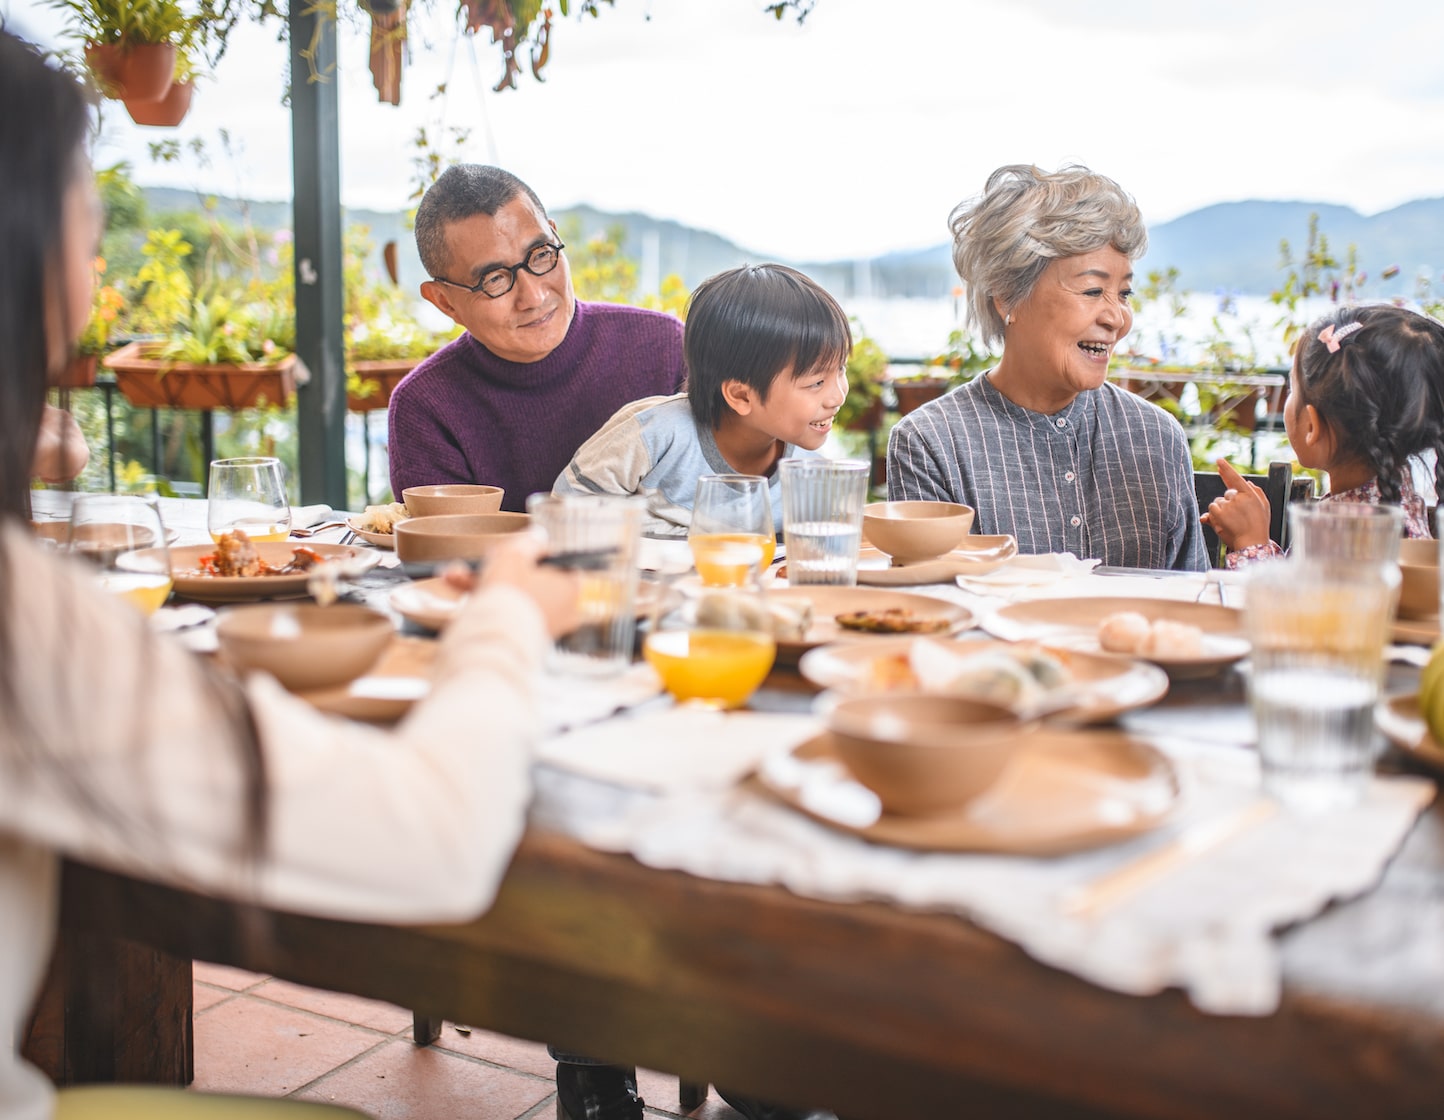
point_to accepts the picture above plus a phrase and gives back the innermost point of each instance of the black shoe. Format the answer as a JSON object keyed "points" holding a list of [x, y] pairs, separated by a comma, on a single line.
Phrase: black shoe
{"points": [[597, 1093], [761, 1110]]}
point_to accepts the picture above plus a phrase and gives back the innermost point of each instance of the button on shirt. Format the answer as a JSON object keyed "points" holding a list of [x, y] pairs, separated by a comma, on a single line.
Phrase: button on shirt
{"points": [[1108, 478]]}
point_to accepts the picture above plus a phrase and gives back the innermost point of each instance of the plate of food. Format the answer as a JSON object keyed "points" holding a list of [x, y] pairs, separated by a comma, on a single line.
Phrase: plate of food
{"points": [[400, 677], [1403, 724], [377, 525], [814, 615], [1064, 791], [1065, 684], [1182, 638], [236, 569]]}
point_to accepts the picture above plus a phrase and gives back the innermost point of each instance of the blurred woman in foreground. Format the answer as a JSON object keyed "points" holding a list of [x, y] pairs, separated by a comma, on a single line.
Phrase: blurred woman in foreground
{"points": [[120, 748]]}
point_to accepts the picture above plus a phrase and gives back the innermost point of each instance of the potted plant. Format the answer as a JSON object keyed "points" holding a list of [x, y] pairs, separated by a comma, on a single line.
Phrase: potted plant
{"points": [[867, 367], [219, 355], [384, 339], [942, 373], [130, 45], [106, 311], [171, 109]]}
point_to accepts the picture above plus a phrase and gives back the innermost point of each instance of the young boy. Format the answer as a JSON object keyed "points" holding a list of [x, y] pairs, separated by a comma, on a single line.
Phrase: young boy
{"points": [[766, 352]]}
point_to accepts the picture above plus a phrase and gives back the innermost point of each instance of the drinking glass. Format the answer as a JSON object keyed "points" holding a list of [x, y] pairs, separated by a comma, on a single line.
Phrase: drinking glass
{"points": [[1351, 532], [715, 650], [596, 536], [248, 494], [732, 533], [124, 537], [1318, 630], [822, 502]]}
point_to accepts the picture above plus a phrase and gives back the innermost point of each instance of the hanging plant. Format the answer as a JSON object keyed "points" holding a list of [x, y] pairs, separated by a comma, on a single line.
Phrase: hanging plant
{"points": [[171, 109], [130, 46]]}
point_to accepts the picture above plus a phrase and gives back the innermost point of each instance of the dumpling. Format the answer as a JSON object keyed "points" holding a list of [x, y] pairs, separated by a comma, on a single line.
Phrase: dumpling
{"points": [[1124, 632]]}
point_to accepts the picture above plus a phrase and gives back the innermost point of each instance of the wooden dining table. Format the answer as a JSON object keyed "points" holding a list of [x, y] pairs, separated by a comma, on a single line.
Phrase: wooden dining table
{"points": [[877, 1011]]}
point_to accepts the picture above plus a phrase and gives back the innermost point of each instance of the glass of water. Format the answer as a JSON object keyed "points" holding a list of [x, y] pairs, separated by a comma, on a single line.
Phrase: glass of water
{"points": [[822, 501], [1318, 630], [248, 494]]}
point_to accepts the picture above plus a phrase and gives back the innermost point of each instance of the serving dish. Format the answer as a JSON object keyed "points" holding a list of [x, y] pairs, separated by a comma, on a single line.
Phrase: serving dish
{"points": [[189, 582], [828, 601]]}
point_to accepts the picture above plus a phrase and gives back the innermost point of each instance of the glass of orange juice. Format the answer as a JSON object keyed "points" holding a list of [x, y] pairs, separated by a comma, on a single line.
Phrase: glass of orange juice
{"points": [[124, 536], [248, 494], [732, 534], [715, 650]]}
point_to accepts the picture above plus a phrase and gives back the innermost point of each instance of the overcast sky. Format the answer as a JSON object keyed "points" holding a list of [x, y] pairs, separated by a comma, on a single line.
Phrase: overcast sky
{"points": [[857, 132]]}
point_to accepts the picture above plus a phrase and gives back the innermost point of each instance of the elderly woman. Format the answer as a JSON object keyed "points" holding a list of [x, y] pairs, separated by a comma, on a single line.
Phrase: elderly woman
{"points": [[1041, 446]]}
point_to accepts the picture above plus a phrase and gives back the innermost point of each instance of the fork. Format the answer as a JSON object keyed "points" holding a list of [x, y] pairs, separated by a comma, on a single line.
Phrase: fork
{"points": [[314, 529]]}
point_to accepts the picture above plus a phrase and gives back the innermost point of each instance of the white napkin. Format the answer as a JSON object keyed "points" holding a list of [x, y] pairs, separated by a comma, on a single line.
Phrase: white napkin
{"points": [[677, 748], [303, 517], [571, 701], [1028, 571]]}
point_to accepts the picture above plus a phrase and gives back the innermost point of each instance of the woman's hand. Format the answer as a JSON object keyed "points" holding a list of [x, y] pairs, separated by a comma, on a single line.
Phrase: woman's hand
{"points": [[60, 451], [514, 564], [1241, 516]]}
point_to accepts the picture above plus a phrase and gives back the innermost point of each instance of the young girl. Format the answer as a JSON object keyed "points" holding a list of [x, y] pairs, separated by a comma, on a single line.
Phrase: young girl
{"points": [[1366, 394]]}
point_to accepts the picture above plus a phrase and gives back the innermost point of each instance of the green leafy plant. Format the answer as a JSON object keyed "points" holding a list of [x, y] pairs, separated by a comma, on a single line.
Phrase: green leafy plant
{"points": [[218, 330], [126, 21], [866, 374], [960, 362]]}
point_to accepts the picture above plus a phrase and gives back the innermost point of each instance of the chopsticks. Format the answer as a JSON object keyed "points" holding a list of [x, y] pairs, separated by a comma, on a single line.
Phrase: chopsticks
{"points": [[1089, 900]]}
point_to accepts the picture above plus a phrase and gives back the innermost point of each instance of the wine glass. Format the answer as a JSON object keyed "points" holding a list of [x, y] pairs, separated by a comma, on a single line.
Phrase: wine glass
{"points": [[248, 494], [731, 535], [124, 536], [716, 649]]}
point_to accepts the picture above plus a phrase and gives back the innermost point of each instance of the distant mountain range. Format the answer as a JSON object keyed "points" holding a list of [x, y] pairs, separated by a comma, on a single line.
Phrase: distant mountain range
{"points": [[1230, 247]]}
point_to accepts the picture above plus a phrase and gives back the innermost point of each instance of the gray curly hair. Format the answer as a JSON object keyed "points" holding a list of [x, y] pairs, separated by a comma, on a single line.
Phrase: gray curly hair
{"points": [[1025, 218]]}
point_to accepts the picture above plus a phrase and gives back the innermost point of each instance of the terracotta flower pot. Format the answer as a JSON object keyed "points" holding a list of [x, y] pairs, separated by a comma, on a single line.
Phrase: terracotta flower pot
{"points": [[916, 392], [379, 377], [151, 382], [79, 374], [168, 112], [132, 71]]}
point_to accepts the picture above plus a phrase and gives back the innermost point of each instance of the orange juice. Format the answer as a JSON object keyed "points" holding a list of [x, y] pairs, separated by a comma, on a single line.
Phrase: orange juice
{"points": [[721, 667], [724, 559], [146, 591]]}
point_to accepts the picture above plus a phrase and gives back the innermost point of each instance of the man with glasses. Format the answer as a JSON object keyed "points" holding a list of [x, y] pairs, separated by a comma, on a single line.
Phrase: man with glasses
{"points": [[537, 372]]}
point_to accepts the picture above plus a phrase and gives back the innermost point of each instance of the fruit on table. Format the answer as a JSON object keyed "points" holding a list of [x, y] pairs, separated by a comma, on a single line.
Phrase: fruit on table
{"points": [[1431, 693]]}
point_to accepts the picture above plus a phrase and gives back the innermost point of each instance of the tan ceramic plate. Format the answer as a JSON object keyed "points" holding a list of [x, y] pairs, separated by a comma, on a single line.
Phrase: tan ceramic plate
{"points": [[1073, 624], [828, 602], [1063, 792], [1403, 725], [1106, 687], [185, 571], [380, 540], [399, 678], [976, 556], [1416, 631]]}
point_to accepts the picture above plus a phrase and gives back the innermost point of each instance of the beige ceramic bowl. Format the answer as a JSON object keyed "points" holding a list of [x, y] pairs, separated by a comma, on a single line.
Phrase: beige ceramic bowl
{"points": [[925, 754], [302, 645], [432, 540], [909, 531], [1419, 586], [451, 498]]}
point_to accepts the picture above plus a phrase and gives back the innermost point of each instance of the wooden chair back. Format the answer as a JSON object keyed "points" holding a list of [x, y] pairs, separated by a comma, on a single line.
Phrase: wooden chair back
{"points": [[1279, 484]]}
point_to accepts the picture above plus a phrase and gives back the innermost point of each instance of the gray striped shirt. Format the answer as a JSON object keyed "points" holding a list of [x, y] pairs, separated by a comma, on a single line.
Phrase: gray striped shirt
{"points": [[1109, 477]]}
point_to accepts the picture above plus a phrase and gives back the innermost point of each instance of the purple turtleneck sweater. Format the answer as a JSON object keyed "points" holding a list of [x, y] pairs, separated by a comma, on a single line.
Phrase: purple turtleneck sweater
{"points": [[465, 415]]}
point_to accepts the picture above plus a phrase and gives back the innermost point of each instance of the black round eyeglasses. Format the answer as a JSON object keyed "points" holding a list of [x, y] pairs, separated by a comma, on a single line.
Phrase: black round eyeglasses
{"points": [[496, 283]]}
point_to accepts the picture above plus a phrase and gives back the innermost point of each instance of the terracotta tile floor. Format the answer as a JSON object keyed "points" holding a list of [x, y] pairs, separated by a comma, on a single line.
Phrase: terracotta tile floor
{"points": [[256, 1034]]}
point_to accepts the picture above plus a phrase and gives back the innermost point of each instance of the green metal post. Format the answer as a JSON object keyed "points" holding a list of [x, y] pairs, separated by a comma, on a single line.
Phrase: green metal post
{"points": [[316, 208]]}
